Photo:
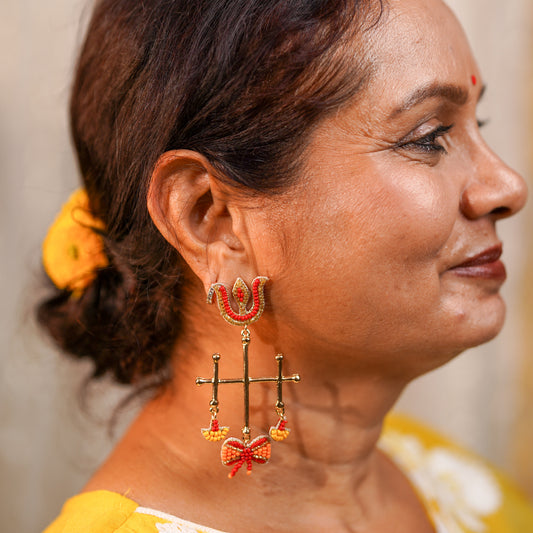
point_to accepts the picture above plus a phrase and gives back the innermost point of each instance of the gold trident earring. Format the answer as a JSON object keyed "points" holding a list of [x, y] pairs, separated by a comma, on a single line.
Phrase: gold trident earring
{"points": [[235, 452]]}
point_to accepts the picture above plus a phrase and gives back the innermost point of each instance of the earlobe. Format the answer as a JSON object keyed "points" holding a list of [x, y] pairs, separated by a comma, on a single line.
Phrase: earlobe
{"points": [[190, 208]]}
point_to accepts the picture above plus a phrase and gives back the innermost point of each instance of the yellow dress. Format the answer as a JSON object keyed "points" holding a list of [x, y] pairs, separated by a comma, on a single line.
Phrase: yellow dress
{"points": [[461, 493]]}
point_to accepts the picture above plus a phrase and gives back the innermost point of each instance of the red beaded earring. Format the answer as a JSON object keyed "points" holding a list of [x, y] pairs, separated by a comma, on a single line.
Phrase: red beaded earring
{"points": [[235, 452]]}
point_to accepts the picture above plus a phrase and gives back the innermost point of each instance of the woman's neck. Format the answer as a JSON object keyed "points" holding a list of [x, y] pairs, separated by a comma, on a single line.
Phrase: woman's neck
{"points": [[328, 468]]}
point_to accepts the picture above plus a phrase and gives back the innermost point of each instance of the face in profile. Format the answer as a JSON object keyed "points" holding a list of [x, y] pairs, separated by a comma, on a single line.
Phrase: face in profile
{"points": [[392, 228]]}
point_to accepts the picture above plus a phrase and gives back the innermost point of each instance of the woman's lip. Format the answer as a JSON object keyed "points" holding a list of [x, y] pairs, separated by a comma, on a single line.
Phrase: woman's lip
{"points": [[495, 270], [490, 255], [485, 265]]}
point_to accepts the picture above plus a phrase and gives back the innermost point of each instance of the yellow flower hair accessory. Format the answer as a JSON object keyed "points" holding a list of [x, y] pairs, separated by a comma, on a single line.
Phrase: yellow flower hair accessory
{"points": [[72, 249]]}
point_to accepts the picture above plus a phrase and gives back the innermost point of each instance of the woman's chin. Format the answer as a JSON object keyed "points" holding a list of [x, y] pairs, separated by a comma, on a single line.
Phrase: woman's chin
{"points": [[481, 323]]}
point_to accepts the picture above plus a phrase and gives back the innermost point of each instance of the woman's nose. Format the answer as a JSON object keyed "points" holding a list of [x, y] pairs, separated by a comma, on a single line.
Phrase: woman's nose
{"points": [[493, 189]]}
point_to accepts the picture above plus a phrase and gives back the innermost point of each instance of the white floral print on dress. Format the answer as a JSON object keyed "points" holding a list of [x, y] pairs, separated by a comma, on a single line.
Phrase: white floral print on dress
{"points": [[168, 528], [459, 491], [185, 527]]}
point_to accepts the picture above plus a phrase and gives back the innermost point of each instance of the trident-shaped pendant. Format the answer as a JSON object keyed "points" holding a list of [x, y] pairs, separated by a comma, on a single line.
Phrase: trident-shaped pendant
{"points": [[236, 452]]}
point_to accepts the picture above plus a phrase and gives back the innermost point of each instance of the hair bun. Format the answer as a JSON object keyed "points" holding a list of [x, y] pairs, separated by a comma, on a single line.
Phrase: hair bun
{"points": [[102, 310]]}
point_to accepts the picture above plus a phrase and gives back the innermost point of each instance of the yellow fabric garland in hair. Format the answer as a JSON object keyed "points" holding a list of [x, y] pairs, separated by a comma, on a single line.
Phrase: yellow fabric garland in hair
{"points": [[72, 249]]}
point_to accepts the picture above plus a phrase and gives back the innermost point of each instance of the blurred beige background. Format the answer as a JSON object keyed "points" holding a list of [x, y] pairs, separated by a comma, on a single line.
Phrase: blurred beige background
{"points": [[48, 445]]}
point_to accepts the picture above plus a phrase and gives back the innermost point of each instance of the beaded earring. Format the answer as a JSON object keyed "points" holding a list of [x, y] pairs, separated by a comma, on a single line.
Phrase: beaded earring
{"points": [[235, 452]]}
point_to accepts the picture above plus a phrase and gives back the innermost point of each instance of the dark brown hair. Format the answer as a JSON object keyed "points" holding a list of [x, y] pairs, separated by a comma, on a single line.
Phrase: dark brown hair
{"points": [[243, 82]]}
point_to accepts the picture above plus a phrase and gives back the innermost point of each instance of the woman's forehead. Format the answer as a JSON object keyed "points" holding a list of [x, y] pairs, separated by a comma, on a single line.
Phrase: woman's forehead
{"points": [[417, 32], [417, 46]]}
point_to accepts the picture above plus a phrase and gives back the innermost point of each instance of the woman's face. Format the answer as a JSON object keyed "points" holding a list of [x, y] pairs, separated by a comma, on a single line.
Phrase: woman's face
{"points": [[390, 244]]}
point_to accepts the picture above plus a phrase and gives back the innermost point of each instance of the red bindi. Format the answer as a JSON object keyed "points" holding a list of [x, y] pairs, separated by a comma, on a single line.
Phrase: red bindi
{"points": [[474, 80]]}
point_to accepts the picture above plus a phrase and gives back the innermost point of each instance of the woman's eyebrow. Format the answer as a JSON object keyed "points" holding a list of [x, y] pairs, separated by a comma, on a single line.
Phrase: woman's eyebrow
{"points": [[456, 94]]}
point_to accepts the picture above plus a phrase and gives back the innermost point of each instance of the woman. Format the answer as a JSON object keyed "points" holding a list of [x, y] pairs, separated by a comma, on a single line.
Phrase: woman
{"points": [[333, 148]]}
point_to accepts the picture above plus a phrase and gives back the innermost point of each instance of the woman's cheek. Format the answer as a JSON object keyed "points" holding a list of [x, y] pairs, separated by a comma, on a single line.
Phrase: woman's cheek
{"points": [[427, 209]]}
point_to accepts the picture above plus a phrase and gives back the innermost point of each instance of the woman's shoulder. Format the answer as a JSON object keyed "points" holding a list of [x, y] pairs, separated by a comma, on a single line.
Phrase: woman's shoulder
{"points": [[104, 511], [460, 491]]}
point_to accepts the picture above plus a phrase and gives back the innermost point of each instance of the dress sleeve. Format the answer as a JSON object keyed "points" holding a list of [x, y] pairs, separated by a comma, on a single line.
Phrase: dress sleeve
{"points": [[94, 512]]}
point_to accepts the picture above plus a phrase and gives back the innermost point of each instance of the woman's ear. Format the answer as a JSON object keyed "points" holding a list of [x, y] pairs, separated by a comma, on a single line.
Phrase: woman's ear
{"points": [[191, 209]]}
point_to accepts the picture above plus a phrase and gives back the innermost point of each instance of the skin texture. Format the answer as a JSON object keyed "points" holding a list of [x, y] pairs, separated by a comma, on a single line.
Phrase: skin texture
{"points": [[364, 294]]}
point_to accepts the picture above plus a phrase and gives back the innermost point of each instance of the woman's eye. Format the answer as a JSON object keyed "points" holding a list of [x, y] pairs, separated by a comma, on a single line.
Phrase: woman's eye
{"points": [[429, 143]]}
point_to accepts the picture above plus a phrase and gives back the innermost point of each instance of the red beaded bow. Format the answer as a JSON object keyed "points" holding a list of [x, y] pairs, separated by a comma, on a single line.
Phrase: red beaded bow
{"points": [[235, 453]]}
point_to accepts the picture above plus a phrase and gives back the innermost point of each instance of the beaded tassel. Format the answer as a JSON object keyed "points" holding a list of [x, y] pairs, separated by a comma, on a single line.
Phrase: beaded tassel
{"points": [[214, 432], [280, 432]]}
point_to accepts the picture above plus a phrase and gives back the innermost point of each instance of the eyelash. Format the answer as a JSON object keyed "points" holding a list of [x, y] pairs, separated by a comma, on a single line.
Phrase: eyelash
{"points": [[428, 143]]}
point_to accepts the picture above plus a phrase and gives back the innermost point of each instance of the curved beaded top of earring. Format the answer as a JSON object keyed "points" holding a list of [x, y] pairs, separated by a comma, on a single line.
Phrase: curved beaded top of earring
{"points": [[241, 295]]}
